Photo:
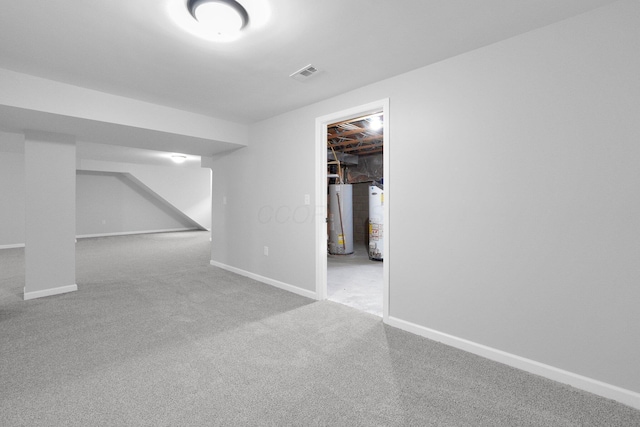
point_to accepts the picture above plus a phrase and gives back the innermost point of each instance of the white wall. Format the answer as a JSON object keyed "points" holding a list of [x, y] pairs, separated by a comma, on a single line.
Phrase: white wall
{"points": [[113, 203], [264, 186], [50, 214], [523, 233], [12, 187], [32, 93], [186, 188]]}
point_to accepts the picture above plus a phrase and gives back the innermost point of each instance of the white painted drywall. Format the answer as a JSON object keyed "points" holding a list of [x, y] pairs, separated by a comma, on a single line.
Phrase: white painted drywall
{"points": [[32, 93], [11, 190], [113, 203], [528, 208], [50, 214], [258, 200], [514, 178], [186, 188]]}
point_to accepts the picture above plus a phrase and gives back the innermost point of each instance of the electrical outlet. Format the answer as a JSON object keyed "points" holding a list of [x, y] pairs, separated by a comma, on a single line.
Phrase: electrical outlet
{"points": [[266, 251], [307, 199]]}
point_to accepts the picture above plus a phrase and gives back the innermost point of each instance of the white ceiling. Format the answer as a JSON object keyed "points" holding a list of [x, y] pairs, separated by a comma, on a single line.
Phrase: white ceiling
{"points": [[135, 48]]}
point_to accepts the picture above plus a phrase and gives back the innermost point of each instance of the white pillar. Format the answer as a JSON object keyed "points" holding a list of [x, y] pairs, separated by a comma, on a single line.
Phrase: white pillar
{"points": [[50, 214], [207, 163]]}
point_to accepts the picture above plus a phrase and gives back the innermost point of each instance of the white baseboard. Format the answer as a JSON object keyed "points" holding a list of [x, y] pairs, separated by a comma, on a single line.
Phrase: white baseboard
{"points": [[17, 245], [590, 385], [128, 233], [268, 281], [49, 292], [123, 233]]}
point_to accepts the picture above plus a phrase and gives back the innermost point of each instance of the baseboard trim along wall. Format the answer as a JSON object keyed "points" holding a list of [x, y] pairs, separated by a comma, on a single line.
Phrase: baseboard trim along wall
{"points": [[266, 280], [127, 233], [590, 385], [17, 245], [50, 292], [122, 233]]}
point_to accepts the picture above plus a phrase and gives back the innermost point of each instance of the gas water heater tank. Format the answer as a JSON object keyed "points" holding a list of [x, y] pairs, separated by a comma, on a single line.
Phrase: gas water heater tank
{"points": [[376, 223]]}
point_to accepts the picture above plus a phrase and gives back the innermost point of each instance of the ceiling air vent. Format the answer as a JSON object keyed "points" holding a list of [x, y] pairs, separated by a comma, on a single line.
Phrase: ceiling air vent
{"points": [[304, 73]]}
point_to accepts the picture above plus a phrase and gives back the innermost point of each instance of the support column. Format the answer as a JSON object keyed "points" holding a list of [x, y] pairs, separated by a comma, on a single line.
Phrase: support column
{"points": [[50, 214], [207, 163]]}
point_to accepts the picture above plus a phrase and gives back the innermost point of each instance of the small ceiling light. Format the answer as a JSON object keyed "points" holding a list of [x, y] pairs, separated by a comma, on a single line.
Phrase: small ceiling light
{"points": [[375, 123], [178, 158], [223, 17]]}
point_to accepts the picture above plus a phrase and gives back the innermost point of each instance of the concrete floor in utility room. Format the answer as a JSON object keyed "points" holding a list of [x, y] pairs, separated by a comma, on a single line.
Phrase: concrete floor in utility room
{"points": [[356, 281]]}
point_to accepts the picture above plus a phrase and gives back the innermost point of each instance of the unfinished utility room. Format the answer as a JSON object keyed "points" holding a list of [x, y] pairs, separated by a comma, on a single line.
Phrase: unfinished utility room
{"points": [[355, 220]]}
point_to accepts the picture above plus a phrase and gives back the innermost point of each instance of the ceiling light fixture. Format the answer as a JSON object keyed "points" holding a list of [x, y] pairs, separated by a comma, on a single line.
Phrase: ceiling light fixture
{"points": [[375, 123], [179, 11], [223, 17], [178, 158]]}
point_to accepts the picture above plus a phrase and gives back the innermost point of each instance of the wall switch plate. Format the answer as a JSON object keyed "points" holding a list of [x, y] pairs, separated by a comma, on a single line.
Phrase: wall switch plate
{"points": [[266, 251], [224, 200]]}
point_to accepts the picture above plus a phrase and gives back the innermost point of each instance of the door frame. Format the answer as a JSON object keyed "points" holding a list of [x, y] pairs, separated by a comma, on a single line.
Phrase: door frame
{"points": [[321, 194]]}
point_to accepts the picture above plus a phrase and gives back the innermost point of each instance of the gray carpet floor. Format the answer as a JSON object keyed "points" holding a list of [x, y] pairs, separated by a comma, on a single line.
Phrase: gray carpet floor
{"points": [[156, 337]]}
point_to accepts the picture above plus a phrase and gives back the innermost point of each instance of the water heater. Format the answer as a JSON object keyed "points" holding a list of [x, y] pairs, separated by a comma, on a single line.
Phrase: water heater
{"points": [[376, 223]]}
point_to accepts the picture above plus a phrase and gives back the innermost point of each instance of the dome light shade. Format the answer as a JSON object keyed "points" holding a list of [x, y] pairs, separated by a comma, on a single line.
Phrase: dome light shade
{"points": [[223, 17]]}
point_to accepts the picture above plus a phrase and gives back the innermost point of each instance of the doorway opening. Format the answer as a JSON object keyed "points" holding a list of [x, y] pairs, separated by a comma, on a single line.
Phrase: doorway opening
{"points": [[352, 244]]}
